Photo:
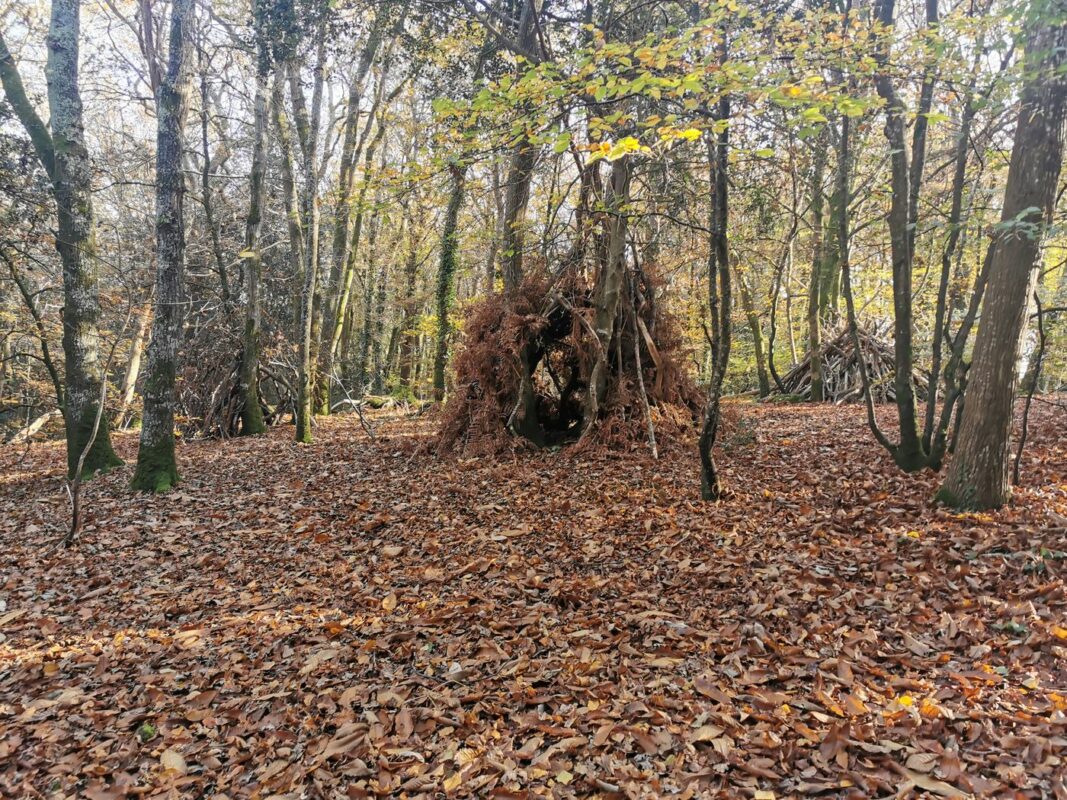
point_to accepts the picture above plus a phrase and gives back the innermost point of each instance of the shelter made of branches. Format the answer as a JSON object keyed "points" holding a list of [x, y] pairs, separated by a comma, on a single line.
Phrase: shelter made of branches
{"points": [[542, 336], [841, 364]]}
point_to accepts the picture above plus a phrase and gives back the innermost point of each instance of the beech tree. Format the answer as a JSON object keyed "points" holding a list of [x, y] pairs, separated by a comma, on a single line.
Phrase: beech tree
{"points": [[157, 469], [978, 473], [60, 147]]}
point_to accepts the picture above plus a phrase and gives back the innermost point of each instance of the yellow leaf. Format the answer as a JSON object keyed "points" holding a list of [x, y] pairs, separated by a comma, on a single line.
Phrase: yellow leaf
{"points": [[690, 134], [452, 782], [1058, 632], [564, 777], [906, 700], [173, 761], [464, 756]]}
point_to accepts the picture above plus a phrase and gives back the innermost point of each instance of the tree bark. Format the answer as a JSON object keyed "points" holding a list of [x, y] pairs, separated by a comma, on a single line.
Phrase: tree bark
{"points": [[608, 289], [157, 468], [748, 306], [133, 364], [252, 422], [908, 453], [446, 290], [308, 133], [978, 474], [815, 284], [289, 190], [60, 147], [719, 301]]}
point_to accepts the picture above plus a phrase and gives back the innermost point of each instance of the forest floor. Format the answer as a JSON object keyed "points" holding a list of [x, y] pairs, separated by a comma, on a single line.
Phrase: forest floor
{"points": [[354, 618]]}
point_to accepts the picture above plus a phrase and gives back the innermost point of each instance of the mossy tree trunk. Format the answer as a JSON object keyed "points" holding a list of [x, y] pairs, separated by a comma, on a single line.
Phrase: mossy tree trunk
{"points": [[408, 334], [978, 473], [446, 273], [60, 147], [157, 469]]}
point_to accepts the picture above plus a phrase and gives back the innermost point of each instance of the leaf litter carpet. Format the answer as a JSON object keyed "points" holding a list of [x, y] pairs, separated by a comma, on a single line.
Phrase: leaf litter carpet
{"points": [[355, 618]]}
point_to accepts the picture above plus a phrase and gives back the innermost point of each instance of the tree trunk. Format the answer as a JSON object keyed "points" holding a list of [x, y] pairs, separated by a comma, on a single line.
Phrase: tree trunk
{"points": [[133, 364], [157, 469], [815, 284], [308, 133], [60, 147], [908, 454], [225, 291], [251, 413], [719, 301], [446, 290], [408, 335], [748, 305], [608, 288], [520, 170], [978, 474], [289, 190]]}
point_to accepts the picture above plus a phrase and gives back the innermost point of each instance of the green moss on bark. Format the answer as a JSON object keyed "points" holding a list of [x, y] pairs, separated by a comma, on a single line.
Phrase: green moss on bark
{"points": [[101, 457], [252, 423], [157, 470], [961, 501]]}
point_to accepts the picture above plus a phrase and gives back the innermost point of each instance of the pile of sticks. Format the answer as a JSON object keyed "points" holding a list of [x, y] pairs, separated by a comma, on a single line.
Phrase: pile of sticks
{"points": [[842, 381]]}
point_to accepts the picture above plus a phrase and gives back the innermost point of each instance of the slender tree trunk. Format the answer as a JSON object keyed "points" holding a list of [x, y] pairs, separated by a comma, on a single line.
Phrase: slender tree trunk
{"points": [[719, 302], [349, 222], [497, 233], [815, 284], [748, 306], [608, 288], [408, 335], [308, 132], [248, 381], [207, 199], [157, 469], [378, 368], [446, 290], [133, 364], [520, 171], [349, 274], [908, 454], [289, 190], [978, 473]]}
